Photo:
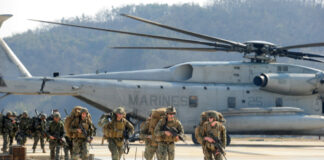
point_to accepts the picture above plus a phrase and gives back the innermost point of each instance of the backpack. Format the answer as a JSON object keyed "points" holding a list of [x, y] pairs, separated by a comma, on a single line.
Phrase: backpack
{"points": [[75, 113], [156, 116], [199, 128]]}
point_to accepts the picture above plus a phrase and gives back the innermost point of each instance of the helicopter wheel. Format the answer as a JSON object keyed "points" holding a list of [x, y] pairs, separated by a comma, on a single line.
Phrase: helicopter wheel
{"points": [[228, 139], [194, 140]]}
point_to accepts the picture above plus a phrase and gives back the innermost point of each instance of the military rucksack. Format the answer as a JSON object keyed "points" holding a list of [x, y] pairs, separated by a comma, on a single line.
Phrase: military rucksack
{"points": [[75, 113], [156, 116], [199, 128]]}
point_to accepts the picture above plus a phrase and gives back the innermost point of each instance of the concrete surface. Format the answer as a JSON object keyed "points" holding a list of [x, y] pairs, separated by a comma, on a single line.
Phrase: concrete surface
{"points": [[299, 148]]}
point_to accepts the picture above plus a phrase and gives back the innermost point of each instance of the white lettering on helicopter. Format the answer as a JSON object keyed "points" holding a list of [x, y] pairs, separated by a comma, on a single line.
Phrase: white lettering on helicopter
{"points": [[157, 100]]}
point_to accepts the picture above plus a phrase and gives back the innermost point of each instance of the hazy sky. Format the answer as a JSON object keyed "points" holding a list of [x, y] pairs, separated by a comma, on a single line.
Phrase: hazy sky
{"points": [[56, 9]]}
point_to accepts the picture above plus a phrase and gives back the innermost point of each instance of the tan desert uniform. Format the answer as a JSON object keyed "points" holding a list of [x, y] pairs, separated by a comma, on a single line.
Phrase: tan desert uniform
{"points": [[203, 119], [114, 132], [218, 130], [79, 141], [150, 143], [166, 143]]}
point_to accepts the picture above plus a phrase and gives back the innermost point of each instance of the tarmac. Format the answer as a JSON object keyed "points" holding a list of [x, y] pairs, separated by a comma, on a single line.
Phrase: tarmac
{"points": [[297, 148]]}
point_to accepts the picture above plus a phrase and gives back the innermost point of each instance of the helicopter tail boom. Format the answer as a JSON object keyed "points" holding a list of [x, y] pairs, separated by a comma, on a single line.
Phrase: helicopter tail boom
{"points": [[10, 65]]}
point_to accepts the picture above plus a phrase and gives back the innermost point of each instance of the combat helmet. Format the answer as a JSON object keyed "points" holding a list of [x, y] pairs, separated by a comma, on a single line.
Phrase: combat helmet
{"points": [[83, 110], [9, 114], [171, 110], [120, 110], [25, 114], [213, 115], [43, 116], [56, 114]]}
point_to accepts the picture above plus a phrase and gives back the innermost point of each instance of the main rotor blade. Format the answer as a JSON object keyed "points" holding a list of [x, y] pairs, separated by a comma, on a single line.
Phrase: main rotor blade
{"points": [[302, 54], [313, 60], [320, 44], [209, 38], [136, 34], [179, 49], [304, 58]]}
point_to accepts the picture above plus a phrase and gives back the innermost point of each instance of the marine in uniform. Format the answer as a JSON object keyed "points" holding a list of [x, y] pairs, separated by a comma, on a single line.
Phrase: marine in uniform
{"points": [[147, 136], [55, 133], [82, 130], [164, 137], [9, 130], [114, 132], [213, 129], [40, 132], [24, 129]]}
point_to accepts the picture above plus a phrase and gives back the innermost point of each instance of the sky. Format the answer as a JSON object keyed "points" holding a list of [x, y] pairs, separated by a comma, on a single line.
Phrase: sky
{"points": [[56, 9]]}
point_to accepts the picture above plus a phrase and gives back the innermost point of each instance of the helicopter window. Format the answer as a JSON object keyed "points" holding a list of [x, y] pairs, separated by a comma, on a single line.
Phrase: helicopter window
{"points": [[282, 68], [2, 83], [231, 102], [193, 101], [279, 102]]}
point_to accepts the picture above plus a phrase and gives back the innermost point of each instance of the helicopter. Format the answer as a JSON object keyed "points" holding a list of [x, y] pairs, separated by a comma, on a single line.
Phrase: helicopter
{"points": [[259, 96]]}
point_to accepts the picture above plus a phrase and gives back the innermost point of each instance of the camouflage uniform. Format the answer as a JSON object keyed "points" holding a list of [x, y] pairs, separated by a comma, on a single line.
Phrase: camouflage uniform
{"points": [[114, 132], [218, 130], [10, 129], [150, 143], [67, 148], [39, 134], [166, 145], [79, 140], [24, 129], [199, 129], [55, 130]]}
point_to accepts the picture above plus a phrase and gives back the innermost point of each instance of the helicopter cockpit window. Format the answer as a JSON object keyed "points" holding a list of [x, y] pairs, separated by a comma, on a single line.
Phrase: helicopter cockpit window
{"points": [[193, 101], [231, 102], [279, 102]]}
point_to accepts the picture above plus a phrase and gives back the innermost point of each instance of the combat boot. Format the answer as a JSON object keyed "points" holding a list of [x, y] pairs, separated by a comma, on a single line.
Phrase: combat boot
{"points": [[44, 150], [34, 150]]}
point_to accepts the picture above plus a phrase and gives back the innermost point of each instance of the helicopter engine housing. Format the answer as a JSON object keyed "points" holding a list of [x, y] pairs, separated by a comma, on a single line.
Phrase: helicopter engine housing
{"points": [[288, 83]]}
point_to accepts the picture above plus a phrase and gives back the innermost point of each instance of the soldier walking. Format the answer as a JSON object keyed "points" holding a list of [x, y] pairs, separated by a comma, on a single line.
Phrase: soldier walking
{"points": [[164, 136], [147, 136], [40, 132], [213, 130], [24, 129], [55, 133], [82, 130], [114, 132], [10, 129]]}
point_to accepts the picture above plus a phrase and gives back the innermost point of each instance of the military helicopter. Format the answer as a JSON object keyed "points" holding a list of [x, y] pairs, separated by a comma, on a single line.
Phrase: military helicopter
{"points": [[256, 97]]}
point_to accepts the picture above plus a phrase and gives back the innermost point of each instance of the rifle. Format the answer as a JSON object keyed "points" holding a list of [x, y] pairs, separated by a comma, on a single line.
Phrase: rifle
{"points": [[126, 142], [219, 145], [85, 134], [66, 113], [175, 132], [59, 139]]}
